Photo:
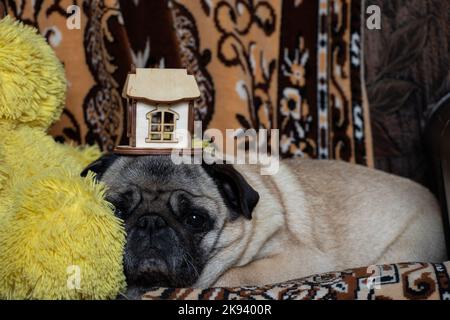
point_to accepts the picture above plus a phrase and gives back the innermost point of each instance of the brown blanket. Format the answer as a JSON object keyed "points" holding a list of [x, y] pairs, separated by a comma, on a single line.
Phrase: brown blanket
{"points": [[402, 281]]}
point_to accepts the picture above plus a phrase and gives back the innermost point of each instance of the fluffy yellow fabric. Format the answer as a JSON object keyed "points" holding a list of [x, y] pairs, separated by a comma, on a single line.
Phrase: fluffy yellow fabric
{"points": [[62, 246], [32, 82], [30, 150], [54, 225]]}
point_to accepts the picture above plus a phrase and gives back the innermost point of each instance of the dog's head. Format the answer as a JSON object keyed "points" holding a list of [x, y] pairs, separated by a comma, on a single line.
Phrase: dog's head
{"points": [[173, 214]]}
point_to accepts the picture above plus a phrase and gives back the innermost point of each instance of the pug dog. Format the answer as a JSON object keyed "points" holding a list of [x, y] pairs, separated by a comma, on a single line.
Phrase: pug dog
{"points": [[228, 225]]}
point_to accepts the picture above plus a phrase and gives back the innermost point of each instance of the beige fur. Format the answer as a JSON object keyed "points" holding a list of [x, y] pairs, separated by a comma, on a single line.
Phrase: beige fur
{"points": [[316, 216]]}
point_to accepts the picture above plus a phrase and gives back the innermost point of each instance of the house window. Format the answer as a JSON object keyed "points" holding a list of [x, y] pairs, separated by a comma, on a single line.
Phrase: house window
{"points": [[161, 126]]}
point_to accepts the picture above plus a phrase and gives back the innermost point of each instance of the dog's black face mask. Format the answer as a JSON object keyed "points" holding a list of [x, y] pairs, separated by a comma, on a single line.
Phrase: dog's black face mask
{"points": [[173, 214], [164, 230]]}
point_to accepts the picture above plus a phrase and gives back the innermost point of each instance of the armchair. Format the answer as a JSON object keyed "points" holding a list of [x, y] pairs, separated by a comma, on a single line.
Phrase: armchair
{"points": [[437, 140]]}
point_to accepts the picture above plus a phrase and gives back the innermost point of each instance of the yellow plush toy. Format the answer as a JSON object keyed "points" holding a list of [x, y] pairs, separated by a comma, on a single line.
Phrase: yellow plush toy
{"points": [[59, 238]]}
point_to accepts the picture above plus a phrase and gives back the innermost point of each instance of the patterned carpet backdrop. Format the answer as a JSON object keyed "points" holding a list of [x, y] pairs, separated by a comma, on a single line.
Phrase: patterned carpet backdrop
{"points": [[96, 59], [294, 65]]}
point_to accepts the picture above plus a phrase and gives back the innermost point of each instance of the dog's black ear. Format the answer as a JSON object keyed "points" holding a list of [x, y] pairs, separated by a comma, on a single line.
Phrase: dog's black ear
{"points": [[239, 194], [100, 165]]}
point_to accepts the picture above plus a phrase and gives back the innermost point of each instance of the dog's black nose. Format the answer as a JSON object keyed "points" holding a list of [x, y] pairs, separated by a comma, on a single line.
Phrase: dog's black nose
{"points": [[151, 223]]}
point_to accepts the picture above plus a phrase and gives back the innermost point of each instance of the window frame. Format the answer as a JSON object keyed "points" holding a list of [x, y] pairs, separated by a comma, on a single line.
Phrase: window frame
{"points": [[162, 125]]}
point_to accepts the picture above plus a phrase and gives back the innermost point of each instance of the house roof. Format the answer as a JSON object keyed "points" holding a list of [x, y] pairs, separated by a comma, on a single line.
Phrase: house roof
{"points": [[161, 85]]}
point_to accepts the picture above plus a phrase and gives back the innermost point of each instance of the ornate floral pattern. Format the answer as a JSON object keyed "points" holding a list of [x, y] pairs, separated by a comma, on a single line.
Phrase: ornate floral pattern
{"points": [[295, 114], [195, 60], [404, 281], [234, 21], [103, 105], [287, 65], [96, 58]]}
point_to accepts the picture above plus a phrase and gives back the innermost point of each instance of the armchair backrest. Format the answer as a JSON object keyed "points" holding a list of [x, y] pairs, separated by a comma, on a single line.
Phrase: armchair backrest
{"points": [[437, 140]]}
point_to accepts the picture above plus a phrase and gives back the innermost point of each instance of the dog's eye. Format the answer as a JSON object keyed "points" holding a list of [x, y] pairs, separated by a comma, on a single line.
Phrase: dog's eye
{"points": [[195, 221], [119, 213]]}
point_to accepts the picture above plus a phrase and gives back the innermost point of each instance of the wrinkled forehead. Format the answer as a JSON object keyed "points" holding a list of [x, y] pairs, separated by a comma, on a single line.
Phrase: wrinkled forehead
{"points": [[159, 174]]}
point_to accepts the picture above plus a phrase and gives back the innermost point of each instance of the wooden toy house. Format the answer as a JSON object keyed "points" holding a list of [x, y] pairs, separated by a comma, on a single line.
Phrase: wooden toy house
{"points": [[160, 110]]}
